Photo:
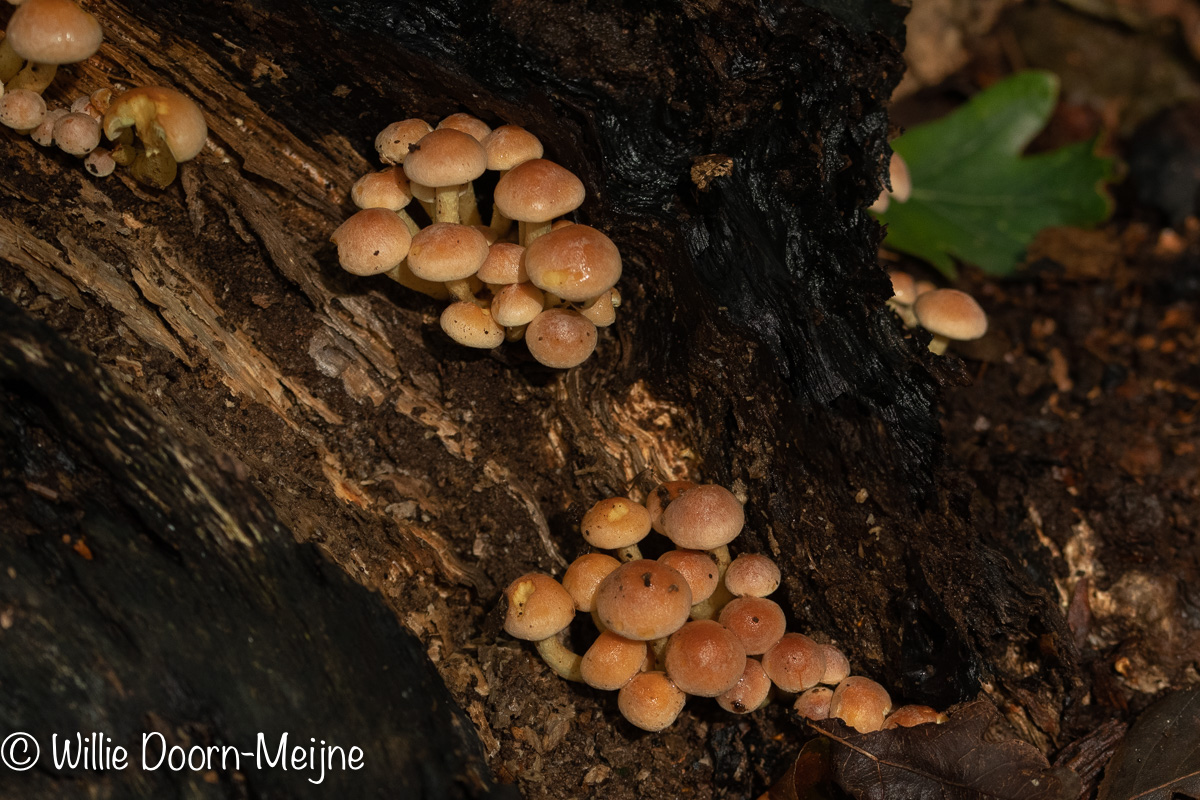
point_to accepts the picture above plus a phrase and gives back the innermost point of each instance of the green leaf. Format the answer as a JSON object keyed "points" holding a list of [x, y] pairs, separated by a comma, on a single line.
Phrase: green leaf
{"points": [[975, 198]]}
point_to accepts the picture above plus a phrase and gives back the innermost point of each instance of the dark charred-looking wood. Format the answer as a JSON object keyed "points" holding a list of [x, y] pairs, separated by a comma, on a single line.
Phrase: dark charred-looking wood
{"points": [[149, 587]]}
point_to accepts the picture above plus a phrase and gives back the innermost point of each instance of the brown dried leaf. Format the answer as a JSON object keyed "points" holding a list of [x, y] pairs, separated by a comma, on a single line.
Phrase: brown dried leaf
{"points": [[953, 761], [1160, 757]]}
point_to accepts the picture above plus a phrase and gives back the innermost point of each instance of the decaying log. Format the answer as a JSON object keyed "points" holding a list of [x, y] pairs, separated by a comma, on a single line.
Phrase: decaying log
{"points": [[729, 149]]}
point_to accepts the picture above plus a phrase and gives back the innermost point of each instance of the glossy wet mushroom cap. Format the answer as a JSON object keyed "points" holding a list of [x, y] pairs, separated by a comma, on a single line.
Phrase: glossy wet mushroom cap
{"points": [[643, 600], [471, 326], [447, 251], [387, 188], [704, 659], [53, 32], [751, 691], [445, 157], [538, 191], [577, 263], [861, 703], [758, 623], [795, 663], [612, 661], [538, 607], [509, 146], [561, 338], [371, 241], [752, 575], [614, 523], [662, 496], [704, 518], [583, 577], [650, 701], [698, 567]]}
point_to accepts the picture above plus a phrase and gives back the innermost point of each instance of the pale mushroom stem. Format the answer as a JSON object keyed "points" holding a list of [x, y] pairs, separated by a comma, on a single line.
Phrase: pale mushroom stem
{"points": [[515, 333], [530, 231], [938, 344], [631, 553], [10, 62], [499, 223], [34, 78], [468, 208], [446, 204], [560, 659], [409, 222], [461, 289], [905, 313], [708, 609]]}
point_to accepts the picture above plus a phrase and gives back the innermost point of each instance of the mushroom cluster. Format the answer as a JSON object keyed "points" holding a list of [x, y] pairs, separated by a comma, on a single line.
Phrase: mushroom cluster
{"points": [[548, 282], [153, 128], [950, 315], [694, 621]]}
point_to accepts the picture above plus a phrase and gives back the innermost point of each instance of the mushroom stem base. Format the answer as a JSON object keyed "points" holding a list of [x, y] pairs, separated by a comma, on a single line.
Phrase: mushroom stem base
{"points": [[461, 289], [631, 553], [560, 659], [938, 345]]}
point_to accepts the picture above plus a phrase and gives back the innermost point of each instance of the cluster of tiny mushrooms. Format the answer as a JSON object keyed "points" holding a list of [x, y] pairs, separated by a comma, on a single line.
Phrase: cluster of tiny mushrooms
{"points": [[691, 622], [949, 314], [151, 128], [548, 282]]}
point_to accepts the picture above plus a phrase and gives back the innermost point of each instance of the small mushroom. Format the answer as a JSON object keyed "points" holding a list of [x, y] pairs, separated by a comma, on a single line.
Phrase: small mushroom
{"points": [[949, 314], [534, 193], [517, 304], [904, 294], [750, 693], [583, 576], [450, 253], [393, 142], [77, 134], [169, 128], [662, 496], [752, 575], [700, 569], [814, 703], [758, 623], [612, 661], [650, 701], [561, 338], [911, 716], [100, 163], [446, 160], [643, 600], [602, 310], [704, 518], [616, 523], [539, 609], [861, 703], [900, 182], [22, 110], [371, 241], [45, 34], [577, 263], [837, 666], [388, 189], [704, 659], [795, 663], [471, 326]]}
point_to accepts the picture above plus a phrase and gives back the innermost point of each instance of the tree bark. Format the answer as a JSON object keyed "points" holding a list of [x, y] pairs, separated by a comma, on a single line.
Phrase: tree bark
{"points": [[730, 151]]}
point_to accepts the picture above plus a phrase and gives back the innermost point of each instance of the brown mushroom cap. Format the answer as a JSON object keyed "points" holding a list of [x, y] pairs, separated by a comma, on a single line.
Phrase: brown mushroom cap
{"points": [[174, 113], [100, 163], [583, 577], [445, 157], [22, 110], [393, 142], [661, 497], [53, 32], [561, 338], [643, 600], [77, 134], [750, 692], [704, 659], [752, 575], [446, 251], [387, 188], [517, 304], [698, 567], [538, 191], [371, 241], [615, 522], [703, 518], [43, 134], [904, 287], [814, 703], [911, 716], [474, 127], [577, 263], [510, 145], [757, 622], [861, 703], [602, 311], [837, 666], [951, 313], [900, 179], [612, 660], [650, 701], [538, 607], [471, 326], [794, 663], [504, 264]]}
